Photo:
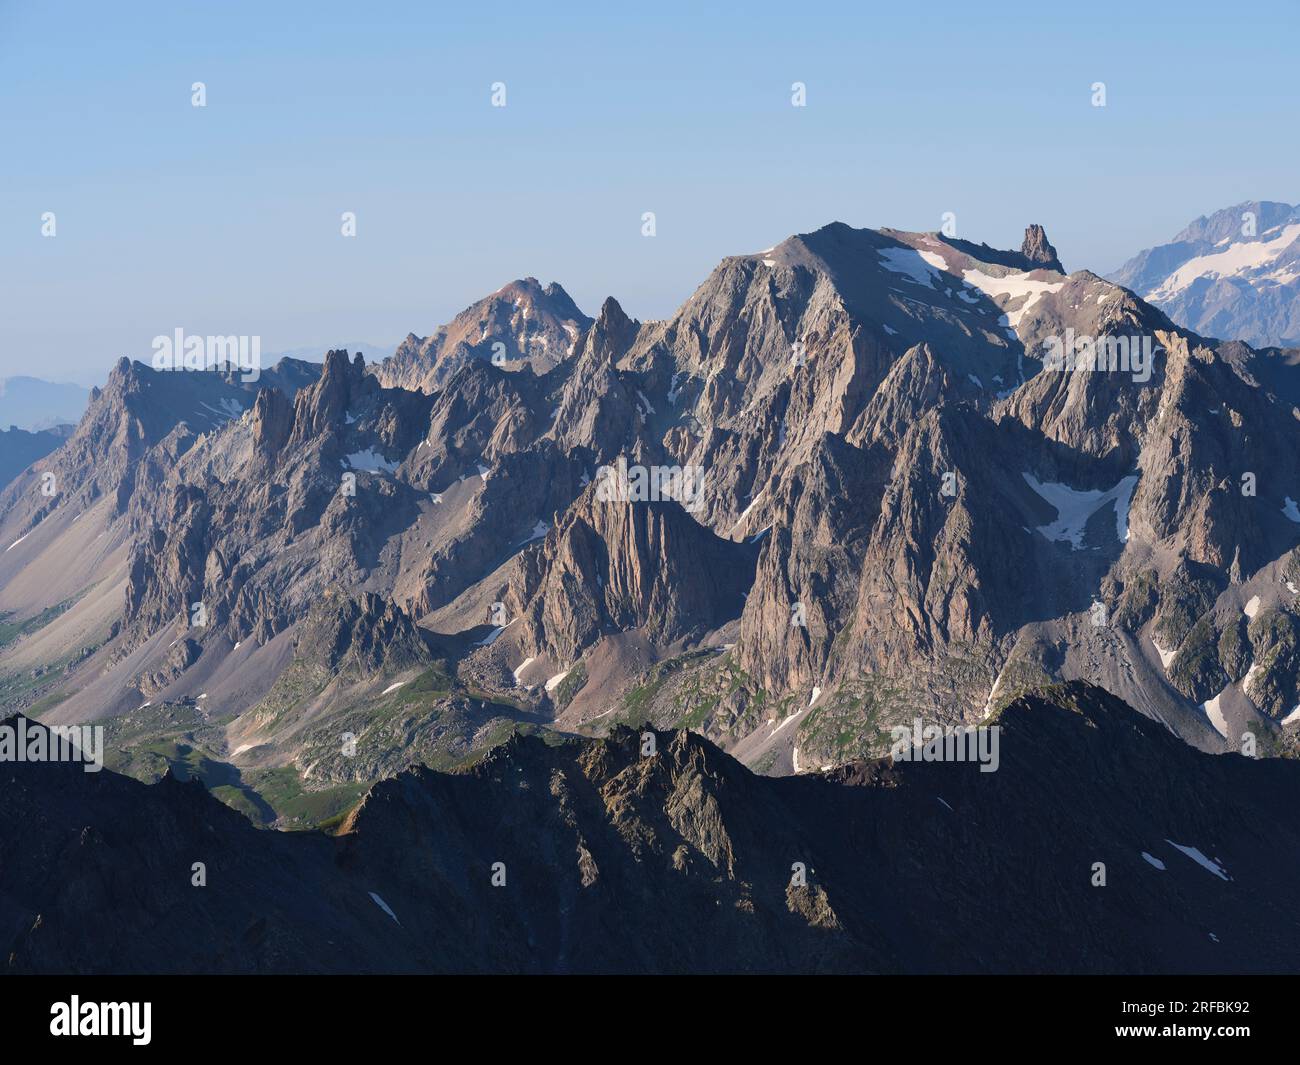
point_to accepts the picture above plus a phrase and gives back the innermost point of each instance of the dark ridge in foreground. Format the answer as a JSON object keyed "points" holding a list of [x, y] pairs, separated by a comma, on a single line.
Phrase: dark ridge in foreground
{"points": [[682, 862]]}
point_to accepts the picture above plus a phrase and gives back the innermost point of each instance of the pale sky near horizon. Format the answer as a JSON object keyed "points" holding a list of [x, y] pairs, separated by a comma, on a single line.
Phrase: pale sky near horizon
{"points": [[225, 219]]}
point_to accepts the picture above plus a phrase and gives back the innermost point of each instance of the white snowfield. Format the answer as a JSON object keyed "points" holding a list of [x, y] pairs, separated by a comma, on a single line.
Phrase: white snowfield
{"points": [[921, 267], [1074, 508], [556, 680], [1234, 261], [745, 513], [392, 687], [1014, 286]]}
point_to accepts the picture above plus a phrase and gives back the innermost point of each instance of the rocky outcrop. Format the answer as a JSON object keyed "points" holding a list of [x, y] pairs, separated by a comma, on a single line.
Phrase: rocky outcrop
{"points": [[362, 636], [272, 423], [614, 565], [1037, 249]]}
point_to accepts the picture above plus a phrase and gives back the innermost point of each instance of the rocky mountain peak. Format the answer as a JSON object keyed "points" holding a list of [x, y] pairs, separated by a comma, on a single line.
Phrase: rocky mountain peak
{"points": [[1038, 249], [325, 403], [522, 324], [613, 331], [272, 421]]}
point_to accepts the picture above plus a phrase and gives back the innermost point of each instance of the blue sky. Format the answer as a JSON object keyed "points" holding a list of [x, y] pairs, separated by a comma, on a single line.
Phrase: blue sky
{"points": [[226, 219]]}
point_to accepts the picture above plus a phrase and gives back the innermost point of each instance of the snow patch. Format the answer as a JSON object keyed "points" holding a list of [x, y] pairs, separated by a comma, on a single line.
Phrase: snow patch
{"points": [[383, 906], [1165, 656], [539, 530], [745, 513], [371, 461], [921, 267], [491, 637], [1074, 508], [1250, 675], [1215, 715], [227, 408], [784, 721], [554, 682], [392, 687], [1013, 286], [1200, 859]]}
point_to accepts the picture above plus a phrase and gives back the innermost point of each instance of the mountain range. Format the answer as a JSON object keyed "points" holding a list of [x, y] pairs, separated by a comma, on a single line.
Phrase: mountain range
{"points": [[901, 507], [1234, 274]]}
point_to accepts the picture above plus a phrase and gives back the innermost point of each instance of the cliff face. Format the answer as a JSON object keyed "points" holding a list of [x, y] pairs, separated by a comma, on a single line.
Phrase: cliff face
{"points": [[613, 565]]}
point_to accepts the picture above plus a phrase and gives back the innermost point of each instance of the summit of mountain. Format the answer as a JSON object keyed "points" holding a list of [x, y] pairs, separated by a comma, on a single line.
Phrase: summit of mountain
{"points": [[523, 325]]}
